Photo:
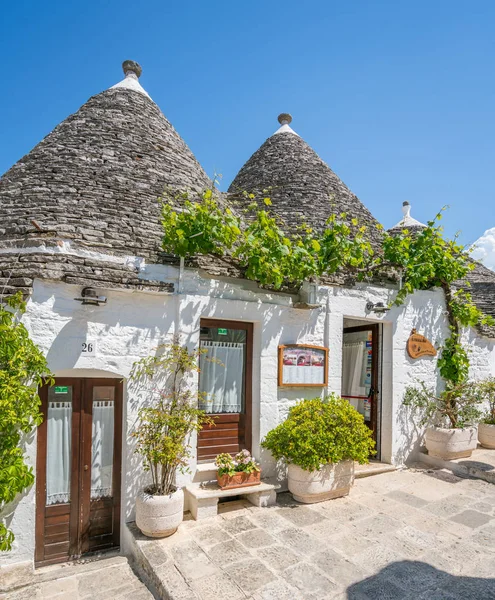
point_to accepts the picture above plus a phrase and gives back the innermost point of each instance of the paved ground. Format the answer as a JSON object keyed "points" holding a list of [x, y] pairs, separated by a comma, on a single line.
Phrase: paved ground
{"points": [[106, 579], [416, 534], [404, 535]]}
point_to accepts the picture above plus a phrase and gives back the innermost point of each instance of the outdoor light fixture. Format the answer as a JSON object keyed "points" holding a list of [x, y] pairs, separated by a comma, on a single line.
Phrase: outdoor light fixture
{"points": [[90, 296], [379, 307]]}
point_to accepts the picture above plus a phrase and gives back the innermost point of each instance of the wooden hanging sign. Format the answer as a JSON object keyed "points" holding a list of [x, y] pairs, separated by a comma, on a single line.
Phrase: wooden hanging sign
{"points": [[418, 345]]}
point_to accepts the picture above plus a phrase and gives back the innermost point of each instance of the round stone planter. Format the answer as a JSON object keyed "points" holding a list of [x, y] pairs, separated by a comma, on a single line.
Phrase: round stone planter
{"points": [[159, 516], [451, 443], [486, 435], [331, 481]]}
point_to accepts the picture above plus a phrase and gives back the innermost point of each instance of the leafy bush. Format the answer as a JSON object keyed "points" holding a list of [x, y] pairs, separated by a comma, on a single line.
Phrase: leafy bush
{"points": [[164, 426], [456, 407], [22, 367], [487, 393], [243, 462], [321, 431]]}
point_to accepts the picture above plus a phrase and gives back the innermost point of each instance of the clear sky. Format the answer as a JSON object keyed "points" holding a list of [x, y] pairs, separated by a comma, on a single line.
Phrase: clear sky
{"points": [[397, 97]]}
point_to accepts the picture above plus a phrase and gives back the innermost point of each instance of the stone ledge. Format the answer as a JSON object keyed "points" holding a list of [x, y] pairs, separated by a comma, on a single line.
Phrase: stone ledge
{"points": [[203, 500], [480, 465]]}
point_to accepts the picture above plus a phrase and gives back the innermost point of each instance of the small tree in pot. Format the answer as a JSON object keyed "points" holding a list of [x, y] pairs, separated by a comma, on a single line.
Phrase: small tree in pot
{"points": [[451, 415], [162, 435], [320, 440], [486, 427]]}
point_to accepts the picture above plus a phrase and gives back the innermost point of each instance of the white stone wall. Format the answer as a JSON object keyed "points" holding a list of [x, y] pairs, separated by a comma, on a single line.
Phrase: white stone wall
{"points": [[131, 325]]}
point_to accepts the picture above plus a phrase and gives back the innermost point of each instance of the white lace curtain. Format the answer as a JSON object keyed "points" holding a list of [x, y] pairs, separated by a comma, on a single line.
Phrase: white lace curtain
{"points": [[352, 369], [102, 448], [222, 384], [58, 452]]}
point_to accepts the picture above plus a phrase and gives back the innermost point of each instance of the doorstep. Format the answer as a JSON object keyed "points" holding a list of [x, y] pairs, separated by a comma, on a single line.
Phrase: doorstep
{"points": [[202, 499], [374, 467], [480, 465]]}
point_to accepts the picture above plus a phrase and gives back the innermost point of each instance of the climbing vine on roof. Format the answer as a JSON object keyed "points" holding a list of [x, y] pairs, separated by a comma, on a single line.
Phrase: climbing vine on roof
{"points": [[262, 246], [22, 369]]}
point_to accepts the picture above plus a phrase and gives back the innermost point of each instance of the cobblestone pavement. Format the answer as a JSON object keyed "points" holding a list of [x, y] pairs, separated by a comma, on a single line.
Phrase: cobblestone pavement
{"points": [[105, 579], [412, 534]]}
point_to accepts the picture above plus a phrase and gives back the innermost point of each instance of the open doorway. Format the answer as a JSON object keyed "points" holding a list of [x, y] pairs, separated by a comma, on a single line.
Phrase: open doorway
{"points": [[361, 372]]}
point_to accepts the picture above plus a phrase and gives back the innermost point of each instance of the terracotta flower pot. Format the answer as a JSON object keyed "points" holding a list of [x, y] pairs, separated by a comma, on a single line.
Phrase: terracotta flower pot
{"points": [[159, 516], [238, 480], [486, 435], [451, 443], [331, 481]]}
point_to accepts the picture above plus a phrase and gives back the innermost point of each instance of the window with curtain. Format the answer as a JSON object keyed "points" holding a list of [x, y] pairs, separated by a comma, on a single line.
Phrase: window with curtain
{"points": [[102, 441], [222, 370], [59, 441]]}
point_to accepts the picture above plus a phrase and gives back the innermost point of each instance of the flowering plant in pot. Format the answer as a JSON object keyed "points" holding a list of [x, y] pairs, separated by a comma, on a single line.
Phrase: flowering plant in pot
{"points": [[238, 471], [162, 435], [451, 417], [320, 440], [486, 427]]}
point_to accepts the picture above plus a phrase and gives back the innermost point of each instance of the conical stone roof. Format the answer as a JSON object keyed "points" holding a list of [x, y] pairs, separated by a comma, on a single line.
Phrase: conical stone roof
{"points": [[303, 186], [89, 190]]}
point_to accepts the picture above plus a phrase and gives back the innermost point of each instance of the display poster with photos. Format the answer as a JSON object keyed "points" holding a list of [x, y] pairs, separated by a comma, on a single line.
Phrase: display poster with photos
{"points": [[302, 365]]}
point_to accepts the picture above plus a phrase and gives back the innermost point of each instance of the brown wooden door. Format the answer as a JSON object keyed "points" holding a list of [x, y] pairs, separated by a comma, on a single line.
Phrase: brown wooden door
{"points": [[226, 382], [367, 400], [78, 468]]}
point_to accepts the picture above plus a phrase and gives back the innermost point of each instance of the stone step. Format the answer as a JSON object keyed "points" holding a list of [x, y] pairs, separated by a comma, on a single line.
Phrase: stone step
{"points": [[480, 465], [205, 472], [374, 467]]}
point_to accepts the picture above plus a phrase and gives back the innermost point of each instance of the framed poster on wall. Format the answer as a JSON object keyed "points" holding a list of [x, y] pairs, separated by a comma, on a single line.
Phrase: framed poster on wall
{"points": [[301, 365]]}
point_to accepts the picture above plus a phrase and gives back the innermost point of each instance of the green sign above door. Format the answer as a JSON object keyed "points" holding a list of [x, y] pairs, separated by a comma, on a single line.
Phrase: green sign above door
{"points": [[222, 331], [61, 389]]}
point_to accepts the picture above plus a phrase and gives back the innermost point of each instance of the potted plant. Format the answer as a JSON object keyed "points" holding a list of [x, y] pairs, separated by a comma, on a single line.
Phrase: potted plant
{"points": [[486, 427], [451, 415], [320, 440], [239, 471], [162, 435]]}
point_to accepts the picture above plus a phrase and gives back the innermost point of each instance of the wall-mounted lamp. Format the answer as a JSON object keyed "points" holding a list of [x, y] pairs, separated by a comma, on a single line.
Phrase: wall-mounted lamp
{"points": [[90, 296], [378, 307]]}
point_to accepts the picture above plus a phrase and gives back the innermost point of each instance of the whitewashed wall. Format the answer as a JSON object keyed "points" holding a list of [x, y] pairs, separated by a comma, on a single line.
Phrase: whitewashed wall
{"points": [[131, 325]]}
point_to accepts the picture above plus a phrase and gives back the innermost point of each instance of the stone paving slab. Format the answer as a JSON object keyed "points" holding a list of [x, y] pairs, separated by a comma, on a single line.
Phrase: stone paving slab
{"points": [[103, 579], [410, 535]]}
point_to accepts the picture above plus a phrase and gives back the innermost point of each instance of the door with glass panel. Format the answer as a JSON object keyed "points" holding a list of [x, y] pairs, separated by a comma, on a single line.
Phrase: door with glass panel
{"points": [[78, 468], [225, 386], [360, 372]]}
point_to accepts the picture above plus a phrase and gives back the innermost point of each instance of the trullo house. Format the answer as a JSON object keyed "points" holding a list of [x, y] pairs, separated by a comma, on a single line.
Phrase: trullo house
{"points": [[80, 236]]}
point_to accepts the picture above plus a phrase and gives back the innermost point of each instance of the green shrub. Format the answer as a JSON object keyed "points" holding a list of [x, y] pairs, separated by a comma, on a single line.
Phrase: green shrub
{"points": [[487, 393], [455, 407], [321, 431]]}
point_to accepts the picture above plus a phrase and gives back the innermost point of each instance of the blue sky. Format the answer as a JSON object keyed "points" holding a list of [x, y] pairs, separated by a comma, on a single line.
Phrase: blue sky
{"points": [[397, 97]]}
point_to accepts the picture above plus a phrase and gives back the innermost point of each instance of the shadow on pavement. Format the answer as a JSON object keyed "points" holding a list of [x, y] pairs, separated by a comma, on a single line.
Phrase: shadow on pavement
{"points": [[413, 579]]}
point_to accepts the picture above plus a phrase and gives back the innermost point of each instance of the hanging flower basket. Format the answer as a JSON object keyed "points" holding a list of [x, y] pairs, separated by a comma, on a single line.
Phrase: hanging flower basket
{"points": [[237, 472], [238, 480]]}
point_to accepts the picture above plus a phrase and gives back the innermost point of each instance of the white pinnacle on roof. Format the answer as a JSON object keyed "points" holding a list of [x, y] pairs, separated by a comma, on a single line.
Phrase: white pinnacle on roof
{"points": [[407, 221], [132, 71], [284, 119]]}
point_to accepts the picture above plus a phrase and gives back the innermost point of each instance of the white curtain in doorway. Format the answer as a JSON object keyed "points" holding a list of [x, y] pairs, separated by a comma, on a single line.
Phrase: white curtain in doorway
{"points": [[102, 448], [352, 369], [58, 452], [221, 378]]}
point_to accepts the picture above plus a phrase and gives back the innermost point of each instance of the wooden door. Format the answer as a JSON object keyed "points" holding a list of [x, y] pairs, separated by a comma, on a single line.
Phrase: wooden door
{"points": [[78, 468], [225, 384], [366, 394]]}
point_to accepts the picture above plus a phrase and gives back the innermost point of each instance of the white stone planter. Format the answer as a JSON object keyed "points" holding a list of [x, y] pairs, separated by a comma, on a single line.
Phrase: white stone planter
{"points": [[451, 443], [486, 435], [159, 516], [331, 481]]}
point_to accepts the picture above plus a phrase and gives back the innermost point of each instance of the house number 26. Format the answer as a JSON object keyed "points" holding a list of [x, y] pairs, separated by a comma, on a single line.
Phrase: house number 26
{"points": [[88, 348]]}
